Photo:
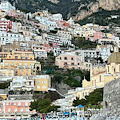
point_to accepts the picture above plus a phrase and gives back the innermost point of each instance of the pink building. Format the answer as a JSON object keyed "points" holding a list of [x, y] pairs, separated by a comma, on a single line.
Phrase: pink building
{"points": [[69, 60], [6, 26], [12, 13], [15, 108], [96, 36]]}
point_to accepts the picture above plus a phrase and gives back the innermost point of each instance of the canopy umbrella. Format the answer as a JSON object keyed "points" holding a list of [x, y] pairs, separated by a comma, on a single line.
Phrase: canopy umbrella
{"points": [[66, 113]]}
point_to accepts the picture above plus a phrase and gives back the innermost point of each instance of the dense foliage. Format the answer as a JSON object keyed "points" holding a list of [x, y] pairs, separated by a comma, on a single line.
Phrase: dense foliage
{"points": [[43, 106], [93, 100], [4, 85], [81, 42], [73, 77]]}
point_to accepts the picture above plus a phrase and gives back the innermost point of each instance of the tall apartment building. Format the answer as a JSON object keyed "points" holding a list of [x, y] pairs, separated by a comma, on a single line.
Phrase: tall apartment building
{"points": [[22, 62]]}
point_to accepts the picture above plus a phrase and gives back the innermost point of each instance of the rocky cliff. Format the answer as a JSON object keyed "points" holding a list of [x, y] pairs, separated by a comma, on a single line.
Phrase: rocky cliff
{"points": [[93, 7]]}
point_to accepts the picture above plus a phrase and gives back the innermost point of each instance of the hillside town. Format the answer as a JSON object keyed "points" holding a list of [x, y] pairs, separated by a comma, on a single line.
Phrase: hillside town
{"points": [[34, 46]]}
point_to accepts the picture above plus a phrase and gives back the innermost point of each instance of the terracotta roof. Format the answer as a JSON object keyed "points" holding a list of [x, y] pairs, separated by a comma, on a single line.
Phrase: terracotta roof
{"points": [[100, 72]]}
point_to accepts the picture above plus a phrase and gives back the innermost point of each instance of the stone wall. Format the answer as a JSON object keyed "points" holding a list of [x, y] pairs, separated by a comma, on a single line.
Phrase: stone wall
{"points": [[111, 98]]}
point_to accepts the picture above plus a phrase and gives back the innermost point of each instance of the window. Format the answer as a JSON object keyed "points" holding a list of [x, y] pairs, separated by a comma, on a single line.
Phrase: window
{"points": [[30, 83], [72, 63], [72, 58], [78, 63], [65, 58], [100, 78], [15, 110], [10, 74], [26, 104], [43, 81], [21, 109], [19, 104], [38, 87], [65, 63], [108, 68], [7, 103], [6, 64], [12, 64], [60, 58], [83, 94], [27, 110], [9, 109], [20, 64], [37, 81], [16, 57]]}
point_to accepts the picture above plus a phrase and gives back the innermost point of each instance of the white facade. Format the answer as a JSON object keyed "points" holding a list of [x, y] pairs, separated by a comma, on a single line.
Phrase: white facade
{"points": [[6, 6], [87, 53], [24, 46], [45, 21], [58, 39], [57, 17], [64, 34], [57, 51], [105, 51], [40, 53], [10, 37], [21, 82]]}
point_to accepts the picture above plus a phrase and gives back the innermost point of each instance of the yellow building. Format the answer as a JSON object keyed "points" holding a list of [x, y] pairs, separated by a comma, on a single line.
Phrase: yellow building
{"points": [[42, 83], [86, 66], [6, 72], [99, 76], [28, 55], [22, 62], [3, 55]]}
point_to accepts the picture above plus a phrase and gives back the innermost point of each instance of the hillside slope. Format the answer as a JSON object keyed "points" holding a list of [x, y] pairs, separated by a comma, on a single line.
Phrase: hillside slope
{"points": [[78, 9]]}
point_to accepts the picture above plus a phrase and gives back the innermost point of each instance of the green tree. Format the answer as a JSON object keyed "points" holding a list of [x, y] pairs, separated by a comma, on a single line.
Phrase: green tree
{"points": [[77, 102], [43, 106], [94, 99]]}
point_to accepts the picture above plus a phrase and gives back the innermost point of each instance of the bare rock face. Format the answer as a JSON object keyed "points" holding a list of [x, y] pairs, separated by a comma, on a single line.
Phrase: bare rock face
{"points": [[94, 7], [109, 4]]}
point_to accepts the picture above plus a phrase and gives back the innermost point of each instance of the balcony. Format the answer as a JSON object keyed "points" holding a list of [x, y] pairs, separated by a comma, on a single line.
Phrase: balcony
{"points": [[27, 67]]}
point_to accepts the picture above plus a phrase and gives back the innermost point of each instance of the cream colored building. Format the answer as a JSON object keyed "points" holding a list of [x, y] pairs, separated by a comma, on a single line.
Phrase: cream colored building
{"points": [[42, 83], [69, 60]]}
